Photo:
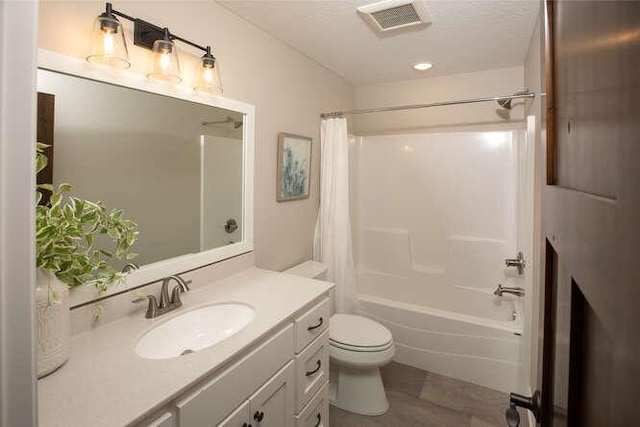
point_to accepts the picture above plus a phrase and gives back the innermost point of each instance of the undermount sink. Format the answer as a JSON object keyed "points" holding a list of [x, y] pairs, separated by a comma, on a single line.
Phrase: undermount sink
{"points": [[194, 330]]}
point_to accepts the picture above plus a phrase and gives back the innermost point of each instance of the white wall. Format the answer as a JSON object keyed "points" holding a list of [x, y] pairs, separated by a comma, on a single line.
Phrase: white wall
{"points": [[479, 84], [288, 89], [17, 181]]}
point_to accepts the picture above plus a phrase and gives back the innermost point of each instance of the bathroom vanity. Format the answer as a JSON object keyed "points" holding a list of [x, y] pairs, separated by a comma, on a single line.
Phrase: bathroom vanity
{"points": [[272, 372]]}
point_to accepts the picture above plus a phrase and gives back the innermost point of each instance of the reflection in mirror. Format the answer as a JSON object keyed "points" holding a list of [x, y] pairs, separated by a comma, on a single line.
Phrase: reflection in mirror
{"points": [[173, 166]]}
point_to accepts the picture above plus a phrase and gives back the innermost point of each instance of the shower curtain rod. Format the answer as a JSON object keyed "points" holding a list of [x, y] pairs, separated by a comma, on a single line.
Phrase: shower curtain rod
{"points": [[435, 104]]}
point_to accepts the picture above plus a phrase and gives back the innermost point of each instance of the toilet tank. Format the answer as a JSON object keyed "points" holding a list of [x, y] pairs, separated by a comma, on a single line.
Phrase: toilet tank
{"points": [[313, 270], [310, 269]]}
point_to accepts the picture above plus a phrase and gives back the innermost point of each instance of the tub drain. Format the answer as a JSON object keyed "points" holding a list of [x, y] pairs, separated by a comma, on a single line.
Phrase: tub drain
{"points": [[187, 351]]}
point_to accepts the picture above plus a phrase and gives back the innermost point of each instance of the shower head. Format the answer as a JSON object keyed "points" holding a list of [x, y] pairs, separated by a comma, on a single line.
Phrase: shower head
{"points": [[506, 102]]}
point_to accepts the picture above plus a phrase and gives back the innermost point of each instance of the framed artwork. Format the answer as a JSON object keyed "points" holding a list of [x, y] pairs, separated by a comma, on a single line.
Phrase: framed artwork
{"points": [[294, 167]]}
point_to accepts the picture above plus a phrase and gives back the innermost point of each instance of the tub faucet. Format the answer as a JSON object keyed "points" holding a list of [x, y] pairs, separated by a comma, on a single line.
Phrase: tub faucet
{"points": [[517, 291]]}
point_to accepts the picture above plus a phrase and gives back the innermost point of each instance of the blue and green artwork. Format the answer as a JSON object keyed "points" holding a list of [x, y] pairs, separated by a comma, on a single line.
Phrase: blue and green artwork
{"points": [[294, 176]]}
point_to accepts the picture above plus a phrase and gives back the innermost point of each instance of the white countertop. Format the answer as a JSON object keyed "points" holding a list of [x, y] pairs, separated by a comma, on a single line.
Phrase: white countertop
{"points": [[104, 383]]}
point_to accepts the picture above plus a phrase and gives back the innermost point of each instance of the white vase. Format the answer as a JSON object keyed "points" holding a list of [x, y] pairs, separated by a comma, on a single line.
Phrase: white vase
{"points": [[54, 322]]}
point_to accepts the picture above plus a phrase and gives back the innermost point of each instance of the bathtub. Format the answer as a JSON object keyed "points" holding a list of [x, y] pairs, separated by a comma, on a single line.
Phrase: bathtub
{"points": [[483, 351]]}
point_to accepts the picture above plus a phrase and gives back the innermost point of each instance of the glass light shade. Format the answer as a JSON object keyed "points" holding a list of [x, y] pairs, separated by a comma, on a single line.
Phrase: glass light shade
{"points": [[164, 62], [208, 79], [108, 45]]}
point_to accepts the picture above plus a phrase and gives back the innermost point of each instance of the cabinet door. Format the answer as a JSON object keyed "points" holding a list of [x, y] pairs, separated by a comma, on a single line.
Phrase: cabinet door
{"points": [[239, 417], [272, 405]]}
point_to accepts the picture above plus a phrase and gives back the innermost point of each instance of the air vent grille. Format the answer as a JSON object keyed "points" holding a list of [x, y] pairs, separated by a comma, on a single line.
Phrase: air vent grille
{"points": [[397, 16], [393, 14]]}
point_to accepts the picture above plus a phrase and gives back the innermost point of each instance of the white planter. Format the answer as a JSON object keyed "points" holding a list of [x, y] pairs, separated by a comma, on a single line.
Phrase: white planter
{"points": [[54, 323]]}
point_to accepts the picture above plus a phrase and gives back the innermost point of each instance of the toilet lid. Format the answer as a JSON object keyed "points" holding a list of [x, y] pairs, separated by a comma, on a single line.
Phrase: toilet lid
{"points": [[357, 331]]}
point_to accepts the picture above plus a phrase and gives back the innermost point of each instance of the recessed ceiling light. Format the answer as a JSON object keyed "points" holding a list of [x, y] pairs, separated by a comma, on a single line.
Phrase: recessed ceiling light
{"points": [[422, 66]]}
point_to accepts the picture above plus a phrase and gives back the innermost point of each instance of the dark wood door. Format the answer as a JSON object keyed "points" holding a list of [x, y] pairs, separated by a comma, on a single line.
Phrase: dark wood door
{"points": [[44, 134], [591, 219]]}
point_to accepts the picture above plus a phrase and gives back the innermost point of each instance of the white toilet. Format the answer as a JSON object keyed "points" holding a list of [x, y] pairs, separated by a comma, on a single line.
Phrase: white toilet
{"points": [[358, 348]]}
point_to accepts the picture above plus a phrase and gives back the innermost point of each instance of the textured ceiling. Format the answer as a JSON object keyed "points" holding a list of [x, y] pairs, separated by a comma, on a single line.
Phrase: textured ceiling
{"points": [[464, 36]]}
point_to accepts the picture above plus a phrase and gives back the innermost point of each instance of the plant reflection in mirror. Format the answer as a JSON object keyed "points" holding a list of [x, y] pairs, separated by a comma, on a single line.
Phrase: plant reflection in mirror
{"points": [[66, 228]]}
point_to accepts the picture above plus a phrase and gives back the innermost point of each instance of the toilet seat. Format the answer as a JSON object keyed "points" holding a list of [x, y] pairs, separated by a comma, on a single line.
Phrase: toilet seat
{"points": [[358, 333], [359, 348]]}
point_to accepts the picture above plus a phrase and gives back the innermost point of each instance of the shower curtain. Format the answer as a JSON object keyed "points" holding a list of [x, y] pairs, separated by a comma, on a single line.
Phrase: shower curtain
{"points": [[332, 239]]}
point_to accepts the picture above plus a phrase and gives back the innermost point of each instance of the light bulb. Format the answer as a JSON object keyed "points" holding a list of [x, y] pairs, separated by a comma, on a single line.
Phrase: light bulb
{"points": [[108, 43], [165, 61], [208, 74]]}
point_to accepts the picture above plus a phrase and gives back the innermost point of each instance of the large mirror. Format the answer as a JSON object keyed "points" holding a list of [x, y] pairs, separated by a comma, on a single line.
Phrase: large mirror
{"points": [[176, 164]]}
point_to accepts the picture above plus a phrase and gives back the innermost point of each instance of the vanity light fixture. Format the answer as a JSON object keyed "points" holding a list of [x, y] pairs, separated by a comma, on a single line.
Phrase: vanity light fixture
{"points": [[208, 79], [108, 47], [164, 60]]}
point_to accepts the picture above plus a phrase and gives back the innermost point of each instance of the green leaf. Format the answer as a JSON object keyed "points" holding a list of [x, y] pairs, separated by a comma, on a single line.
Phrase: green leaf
{"points": [[65, 187]]}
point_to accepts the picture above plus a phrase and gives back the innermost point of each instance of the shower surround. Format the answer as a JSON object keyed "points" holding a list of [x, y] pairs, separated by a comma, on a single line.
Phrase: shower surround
{"points": [[434, 216]]}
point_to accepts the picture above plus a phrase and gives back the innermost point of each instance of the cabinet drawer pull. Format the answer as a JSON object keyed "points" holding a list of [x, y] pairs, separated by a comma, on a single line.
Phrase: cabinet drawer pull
{"points": [[311, 328], [258, 416], [319, 421], [318, 366]]}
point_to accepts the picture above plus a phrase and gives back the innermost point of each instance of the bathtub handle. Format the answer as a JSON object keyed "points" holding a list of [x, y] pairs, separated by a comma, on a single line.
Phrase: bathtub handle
{"points": [[311, 328]]}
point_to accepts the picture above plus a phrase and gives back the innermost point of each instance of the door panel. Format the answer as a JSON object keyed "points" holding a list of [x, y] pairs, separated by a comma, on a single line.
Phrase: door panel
{"points": [[591, 220]]}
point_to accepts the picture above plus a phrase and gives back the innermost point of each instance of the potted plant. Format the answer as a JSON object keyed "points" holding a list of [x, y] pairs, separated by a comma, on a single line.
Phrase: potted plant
{"points": [[71, 235]]}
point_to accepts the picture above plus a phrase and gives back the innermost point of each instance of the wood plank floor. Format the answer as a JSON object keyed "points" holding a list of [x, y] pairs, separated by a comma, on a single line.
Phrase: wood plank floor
{"points": [[420, 398]]}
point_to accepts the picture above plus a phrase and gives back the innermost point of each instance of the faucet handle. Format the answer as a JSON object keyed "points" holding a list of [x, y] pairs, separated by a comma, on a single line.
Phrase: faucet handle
{"points": [[152, 308], [175, 296]]}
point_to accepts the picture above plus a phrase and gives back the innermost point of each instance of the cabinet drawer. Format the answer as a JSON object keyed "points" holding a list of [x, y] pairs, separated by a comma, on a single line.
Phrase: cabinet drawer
{"points": [[211, 402], [312, 370], [311, 324], [316, 413]]}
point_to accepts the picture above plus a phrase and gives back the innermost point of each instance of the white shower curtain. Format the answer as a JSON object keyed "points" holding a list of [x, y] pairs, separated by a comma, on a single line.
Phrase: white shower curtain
{"points": [[332, 240]]}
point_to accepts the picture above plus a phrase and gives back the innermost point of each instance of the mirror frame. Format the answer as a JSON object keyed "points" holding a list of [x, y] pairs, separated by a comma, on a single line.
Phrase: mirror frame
{"points": [[52, 61]]}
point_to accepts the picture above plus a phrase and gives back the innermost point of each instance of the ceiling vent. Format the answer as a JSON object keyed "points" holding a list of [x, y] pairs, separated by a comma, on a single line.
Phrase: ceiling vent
{"points": [[393, 14]]}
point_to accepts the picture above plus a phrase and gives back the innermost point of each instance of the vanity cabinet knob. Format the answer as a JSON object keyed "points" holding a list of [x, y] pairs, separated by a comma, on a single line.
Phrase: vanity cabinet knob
{"points": [[319, 420], [311, 328], [258, 416], [246, 425], [318, 366]]}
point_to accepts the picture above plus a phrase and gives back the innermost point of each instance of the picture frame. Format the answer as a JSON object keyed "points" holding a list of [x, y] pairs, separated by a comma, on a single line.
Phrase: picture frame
{"points": [[294, 167]]}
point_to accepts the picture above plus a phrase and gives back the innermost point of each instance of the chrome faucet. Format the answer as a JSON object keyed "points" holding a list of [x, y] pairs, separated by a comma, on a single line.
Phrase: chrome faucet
{"points": [[516, 290], [518, 262], [166, 304]]}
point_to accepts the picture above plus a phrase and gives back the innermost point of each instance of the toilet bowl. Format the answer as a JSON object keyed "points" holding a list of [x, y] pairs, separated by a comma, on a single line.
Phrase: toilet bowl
{"points": [[358, 347]]}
